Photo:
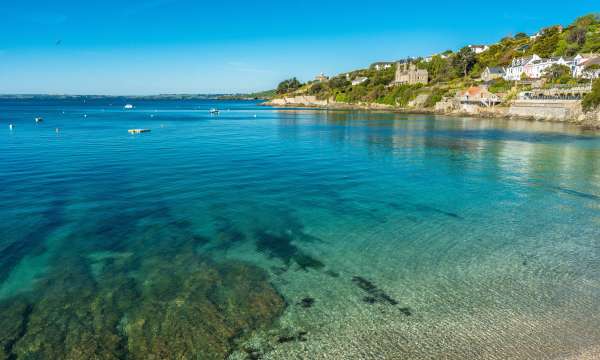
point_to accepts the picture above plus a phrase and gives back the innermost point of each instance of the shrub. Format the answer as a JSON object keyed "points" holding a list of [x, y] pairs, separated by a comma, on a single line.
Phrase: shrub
{"points": [[592, 100]]}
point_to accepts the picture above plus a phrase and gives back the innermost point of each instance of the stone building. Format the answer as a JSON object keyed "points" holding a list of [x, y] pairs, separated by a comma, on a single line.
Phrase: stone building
{"points": [[409, 74], [492, 73], [321, 78]]}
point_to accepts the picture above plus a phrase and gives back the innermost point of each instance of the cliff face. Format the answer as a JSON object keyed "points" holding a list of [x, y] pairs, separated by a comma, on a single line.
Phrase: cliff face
{"points": [[313, 102]]}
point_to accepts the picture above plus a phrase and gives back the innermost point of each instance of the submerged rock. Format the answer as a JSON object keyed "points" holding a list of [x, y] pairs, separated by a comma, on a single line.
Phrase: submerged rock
{"points": [[172, 307]]}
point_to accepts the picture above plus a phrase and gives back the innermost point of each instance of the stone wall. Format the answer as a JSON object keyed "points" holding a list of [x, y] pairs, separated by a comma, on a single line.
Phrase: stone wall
{"points": [[553, 110]]}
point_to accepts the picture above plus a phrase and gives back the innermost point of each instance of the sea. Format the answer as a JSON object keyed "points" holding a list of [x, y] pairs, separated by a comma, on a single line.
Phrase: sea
{"points": [[269, 233]]}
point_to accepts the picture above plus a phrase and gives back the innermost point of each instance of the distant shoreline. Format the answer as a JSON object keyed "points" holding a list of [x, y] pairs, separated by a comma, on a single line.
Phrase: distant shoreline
{"points": [[247, 97]]}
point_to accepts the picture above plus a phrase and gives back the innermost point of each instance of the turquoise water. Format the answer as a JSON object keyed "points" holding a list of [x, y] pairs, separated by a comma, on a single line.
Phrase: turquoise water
{"points": [[275, 234]]}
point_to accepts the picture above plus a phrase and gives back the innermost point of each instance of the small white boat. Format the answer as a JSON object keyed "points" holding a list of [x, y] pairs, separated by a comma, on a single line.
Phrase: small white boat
{"points": [[39, 119], [213, 111], [128, 107], [138, 131], [10, 126]]}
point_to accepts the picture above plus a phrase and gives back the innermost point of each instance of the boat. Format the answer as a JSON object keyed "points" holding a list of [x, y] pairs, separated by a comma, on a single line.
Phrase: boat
{"points": [[214, 111], [39, 119], [128, 107], [138, 131]]}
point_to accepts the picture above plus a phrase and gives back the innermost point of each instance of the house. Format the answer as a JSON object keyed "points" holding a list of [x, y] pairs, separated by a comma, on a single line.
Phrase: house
{"points": [[478, 49], [534, 67], [492, 73], [585, 66], [517, 67], [382, 65], [477, 96], [359, 80], [321, 78], [409, 74]]}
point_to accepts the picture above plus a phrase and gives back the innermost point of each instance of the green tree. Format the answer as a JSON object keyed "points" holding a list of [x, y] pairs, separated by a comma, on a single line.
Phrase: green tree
{"points": [[592, 100], [339, 82], [438, 68], [547, 43], [558, 74], [521, 36], [464, 61], [288, 86]]}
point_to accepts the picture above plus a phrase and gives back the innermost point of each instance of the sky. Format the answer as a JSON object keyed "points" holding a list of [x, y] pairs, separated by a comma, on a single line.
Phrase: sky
{"points": [[139, 47]]}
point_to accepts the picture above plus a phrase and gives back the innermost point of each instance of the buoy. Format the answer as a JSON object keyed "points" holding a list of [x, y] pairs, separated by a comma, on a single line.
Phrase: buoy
{"points": [[84, 115]]}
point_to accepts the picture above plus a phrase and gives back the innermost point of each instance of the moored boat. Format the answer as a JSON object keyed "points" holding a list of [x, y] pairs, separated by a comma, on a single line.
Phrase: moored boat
{"points": [[138, 131]]}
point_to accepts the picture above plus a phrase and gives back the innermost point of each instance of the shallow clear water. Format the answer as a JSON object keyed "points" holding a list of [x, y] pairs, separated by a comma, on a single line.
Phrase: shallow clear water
{"points": [[275, 234]]}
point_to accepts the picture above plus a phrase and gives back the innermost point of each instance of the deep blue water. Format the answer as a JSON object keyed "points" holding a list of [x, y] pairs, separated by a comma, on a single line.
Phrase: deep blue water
{"points": [[326, 234]]}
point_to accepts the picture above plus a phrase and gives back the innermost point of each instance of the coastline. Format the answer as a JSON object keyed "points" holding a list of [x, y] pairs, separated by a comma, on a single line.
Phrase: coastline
{"points": [[587, 121]]}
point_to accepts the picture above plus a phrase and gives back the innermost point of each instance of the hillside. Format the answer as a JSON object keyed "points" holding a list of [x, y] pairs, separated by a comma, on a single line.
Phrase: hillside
{"points": [[454, 70]]}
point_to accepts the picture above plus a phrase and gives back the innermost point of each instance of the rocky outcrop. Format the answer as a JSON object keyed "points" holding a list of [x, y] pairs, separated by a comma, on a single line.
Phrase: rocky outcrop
{"points": [[543, 110], [313, 102], [170, 307], [301, 100]]}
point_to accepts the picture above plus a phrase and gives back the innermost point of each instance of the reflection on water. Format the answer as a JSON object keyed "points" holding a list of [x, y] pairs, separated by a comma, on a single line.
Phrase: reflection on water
{"points": [[295, 234]]}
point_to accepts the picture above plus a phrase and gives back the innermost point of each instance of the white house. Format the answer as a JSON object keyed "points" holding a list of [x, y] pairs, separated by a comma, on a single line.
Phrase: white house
{"points": [[582, 64], [382, 65], [534, 67], [478, 49], [517, 67], [359, 80]]}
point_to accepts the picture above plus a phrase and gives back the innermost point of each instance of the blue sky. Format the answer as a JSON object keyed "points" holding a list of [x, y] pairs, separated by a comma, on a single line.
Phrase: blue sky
{"points": [[186, 46]]}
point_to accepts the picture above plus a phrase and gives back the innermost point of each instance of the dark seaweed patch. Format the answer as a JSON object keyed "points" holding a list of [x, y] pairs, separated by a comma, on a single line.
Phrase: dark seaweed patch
{"points": [[423, 209], [427, 208], [280, 246], [306, 262], [300, 336], [228, 234], [307, 302], [575, 193], [369, 300], [332, 273], [375, 293], [406, 311], [32, 243]]}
